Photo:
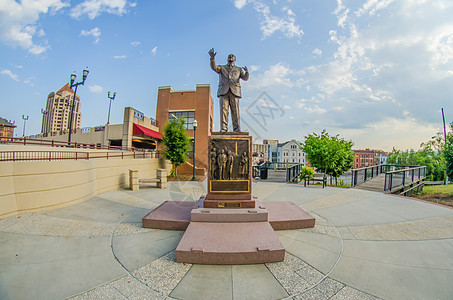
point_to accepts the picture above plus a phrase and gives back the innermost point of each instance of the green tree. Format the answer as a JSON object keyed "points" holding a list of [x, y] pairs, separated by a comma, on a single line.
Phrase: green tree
{"points": [[176, 142], [431, 155], [306, 173], [331, 155]]}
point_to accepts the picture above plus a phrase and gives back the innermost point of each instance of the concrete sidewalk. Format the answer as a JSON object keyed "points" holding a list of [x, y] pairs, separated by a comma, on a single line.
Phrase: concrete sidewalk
{"points": [[365, 245]]}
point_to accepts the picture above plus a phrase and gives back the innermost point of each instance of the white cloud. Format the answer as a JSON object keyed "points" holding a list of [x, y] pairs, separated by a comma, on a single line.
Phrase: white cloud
{"points": [[315, 109], [95, 88], [93, 8], [372, 6], [120, 56], [240, 3], [18, 22], [30, 81], [10, 74], [135, 43], [317, 52], [382, 134], [254, 68], [95, 32], [278, 75], [154, 51], [271, 23], [288, 11]]}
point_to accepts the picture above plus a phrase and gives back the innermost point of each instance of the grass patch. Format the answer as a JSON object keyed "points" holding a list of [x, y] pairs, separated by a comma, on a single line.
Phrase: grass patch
{"points": [[442, 194], [444, 189]]}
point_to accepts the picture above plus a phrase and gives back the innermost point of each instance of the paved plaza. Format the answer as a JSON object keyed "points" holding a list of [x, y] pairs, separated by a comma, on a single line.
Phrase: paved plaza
{"points": [[365, 245]]}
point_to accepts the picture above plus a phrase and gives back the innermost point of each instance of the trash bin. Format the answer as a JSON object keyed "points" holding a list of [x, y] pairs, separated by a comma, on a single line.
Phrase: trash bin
{"points": [[263, 173]]}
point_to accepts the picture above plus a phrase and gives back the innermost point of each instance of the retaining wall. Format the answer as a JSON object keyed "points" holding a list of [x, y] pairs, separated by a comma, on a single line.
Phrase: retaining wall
{"points": [[39, 185]]}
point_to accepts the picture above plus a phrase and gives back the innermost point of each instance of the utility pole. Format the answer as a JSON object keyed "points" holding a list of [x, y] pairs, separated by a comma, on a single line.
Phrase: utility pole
{"points": [[25, 122], [110, 104], [445, 145]]}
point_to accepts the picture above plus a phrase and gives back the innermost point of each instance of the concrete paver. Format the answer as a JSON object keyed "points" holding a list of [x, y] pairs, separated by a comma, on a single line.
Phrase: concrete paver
{"points": [[374, 245], [206, 282]]}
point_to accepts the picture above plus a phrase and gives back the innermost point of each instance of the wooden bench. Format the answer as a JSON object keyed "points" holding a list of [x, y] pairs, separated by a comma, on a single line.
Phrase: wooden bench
{"points": [[161, 180]]}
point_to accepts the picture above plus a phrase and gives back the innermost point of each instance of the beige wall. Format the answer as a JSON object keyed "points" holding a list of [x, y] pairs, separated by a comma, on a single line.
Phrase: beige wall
{"points": [[31, 186]]}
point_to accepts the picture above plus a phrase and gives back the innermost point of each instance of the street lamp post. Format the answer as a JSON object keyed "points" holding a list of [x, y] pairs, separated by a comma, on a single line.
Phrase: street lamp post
{"points": [[445, 145], [195, 123], [44, 122], [75, 84], [110, 104], [25, 121]]}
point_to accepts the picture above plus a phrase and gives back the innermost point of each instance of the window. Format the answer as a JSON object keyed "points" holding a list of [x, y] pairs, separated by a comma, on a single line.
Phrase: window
{"points": [[189, 116]]}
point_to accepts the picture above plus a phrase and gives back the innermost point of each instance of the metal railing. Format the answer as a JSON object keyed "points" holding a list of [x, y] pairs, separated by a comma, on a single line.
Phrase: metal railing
{"points": [[278, 165], [14, 156], [402, 178], [52, 143], [293, 172], [361, 175]]}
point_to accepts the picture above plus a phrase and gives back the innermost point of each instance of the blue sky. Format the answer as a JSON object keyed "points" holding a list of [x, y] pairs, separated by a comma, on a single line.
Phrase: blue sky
{"points": [[376, 72]]}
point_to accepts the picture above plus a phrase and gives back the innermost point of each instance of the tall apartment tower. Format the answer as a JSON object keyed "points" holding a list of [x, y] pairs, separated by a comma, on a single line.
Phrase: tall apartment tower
{"points": [[56, 117]]}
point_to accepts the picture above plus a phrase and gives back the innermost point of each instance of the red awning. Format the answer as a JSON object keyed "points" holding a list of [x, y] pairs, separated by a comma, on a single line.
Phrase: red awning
{"points": [[140, 130]]}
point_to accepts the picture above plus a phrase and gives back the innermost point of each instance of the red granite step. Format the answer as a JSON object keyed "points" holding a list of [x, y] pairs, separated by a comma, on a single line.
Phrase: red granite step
{"points": [[285, 215], [170, 215], [229, 243], [225, 215]]}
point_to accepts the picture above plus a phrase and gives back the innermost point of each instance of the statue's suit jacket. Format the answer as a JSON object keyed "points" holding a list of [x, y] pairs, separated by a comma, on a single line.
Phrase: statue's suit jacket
{"points": [[229, 79]]}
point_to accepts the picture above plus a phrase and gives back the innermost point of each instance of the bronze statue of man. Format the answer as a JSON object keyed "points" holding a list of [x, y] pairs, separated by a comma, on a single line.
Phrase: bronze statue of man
{"points": [[229, 90]]}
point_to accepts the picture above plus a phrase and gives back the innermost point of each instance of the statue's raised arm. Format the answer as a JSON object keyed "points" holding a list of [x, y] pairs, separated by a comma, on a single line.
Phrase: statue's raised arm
{"points": [[212, 60]]}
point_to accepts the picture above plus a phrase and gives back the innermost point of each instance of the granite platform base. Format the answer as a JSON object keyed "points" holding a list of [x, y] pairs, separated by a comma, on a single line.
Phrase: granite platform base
{"points": [[228, 235]]}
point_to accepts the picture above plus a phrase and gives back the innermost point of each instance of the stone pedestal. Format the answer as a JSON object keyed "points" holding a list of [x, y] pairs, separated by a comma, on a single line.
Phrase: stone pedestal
{"points": [[229, 225], [230, 171], [162, 176]]}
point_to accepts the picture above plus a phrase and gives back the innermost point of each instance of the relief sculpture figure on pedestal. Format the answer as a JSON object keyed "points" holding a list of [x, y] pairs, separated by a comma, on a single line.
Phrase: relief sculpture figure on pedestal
{"points": [[213, 162], [244, 165], [221, 160], [229, 165]]}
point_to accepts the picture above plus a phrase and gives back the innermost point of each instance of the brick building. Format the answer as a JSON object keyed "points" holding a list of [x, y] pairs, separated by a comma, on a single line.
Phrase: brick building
{"points": [[363, 158], [191, 105], [6, 128]]}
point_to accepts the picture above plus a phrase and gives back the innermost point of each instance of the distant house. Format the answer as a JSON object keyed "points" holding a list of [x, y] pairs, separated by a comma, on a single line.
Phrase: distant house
{"points": [[6, 128], [259, 153], [287, 152], [290, 152], [368, 158]]}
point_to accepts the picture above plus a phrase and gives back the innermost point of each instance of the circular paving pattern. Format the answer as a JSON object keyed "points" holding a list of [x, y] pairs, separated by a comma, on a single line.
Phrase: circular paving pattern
{"points": [[365, 245]]}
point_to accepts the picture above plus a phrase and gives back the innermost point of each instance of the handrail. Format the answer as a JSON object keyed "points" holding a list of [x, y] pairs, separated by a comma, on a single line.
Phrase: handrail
{"points": [[53, 143], [404, 178], [292, 172], [14, 156], [361, 175]]}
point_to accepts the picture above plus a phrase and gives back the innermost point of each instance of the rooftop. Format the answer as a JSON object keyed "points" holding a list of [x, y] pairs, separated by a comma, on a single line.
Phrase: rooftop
{"points": [[6, 122]]}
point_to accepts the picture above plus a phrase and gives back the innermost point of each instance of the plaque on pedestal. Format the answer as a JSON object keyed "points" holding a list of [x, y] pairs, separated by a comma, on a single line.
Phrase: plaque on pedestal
{"points": [[229, 171]]}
